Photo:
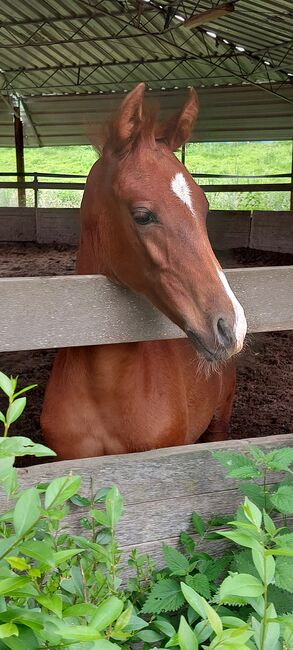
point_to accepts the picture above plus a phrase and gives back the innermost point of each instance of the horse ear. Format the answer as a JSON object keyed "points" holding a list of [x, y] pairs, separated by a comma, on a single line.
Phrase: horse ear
{"points": [[177, 130], [130, 116]]}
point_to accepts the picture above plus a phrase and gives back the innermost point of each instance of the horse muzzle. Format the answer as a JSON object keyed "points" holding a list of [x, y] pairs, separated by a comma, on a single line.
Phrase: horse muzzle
{"points": [[222, 345]]}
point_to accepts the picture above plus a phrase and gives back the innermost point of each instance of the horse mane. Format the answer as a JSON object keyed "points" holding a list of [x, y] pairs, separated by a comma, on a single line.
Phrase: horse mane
{"points": [[103, 138]]}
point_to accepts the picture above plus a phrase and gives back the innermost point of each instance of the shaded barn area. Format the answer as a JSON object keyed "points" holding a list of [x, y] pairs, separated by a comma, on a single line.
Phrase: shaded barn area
{"points": [[64, 71]]}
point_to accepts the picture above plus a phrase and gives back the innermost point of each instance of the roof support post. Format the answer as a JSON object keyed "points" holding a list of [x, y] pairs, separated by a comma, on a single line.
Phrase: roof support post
{"points": [[19, 150], [183, 154], [291, 194]]}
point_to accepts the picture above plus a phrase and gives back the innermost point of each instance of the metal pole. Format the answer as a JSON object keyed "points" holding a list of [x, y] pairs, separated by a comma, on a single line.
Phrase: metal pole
{"points": [[18, 138]]}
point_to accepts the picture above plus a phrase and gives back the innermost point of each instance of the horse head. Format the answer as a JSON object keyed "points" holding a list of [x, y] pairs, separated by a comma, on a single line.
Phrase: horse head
{"points": [[144, 225]]}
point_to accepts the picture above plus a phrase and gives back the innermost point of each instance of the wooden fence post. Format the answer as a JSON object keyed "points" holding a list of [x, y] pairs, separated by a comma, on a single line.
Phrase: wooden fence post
{"points": [[18, 137]]}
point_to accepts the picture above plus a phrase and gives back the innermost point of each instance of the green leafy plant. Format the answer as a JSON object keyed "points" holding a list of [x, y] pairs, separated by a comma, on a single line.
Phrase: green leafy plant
{"points": [[62, 590], [17, 446]]}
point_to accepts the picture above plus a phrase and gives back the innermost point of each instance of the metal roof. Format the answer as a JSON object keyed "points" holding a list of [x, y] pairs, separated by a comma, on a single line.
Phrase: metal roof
{"points": [[74, 46], [88, 50], [233, 113]]}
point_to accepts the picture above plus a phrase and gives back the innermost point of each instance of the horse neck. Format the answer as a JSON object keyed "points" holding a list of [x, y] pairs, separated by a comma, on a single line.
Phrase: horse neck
{"points": [[92, 257]]}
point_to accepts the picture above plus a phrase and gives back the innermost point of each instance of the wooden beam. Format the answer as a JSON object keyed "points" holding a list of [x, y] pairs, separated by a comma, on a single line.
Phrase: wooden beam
{"points": [[30, 122], [209, 15], [291, 194], [57, 312], [188, 477], [19, 150]]}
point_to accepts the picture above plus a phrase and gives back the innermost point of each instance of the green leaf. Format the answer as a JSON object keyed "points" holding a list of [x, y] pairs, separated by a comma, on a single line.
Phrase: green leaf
{"points": [[53, 603], [213, 618], [149, 636], [165, 596], [283, 600], [79, 500], [63, 556], [107, 613], [215, 567], [186, 637], [284, 573], [252, 513], [280, 459], [200, 583], [187, 541], [60, 490], [175, 561], [285, 540], [24, 390], [255, 493], [37, 550], [78, 633], [203, 631], [80, 609], [103, 644], [21, 446], [272, 633], [27, 511], [15, 410], [114, 505], [8, 476], [124, 619], [269, 524], [198, 524], [8, 629], [9, 585], [194, 600], [282, 499], [6, 384], [285, 551], [100, 495], [2, 417], [239, 466], [164, 626], [18, 563], [239, 537], [265, 566], [100, 517], [241, 584]]}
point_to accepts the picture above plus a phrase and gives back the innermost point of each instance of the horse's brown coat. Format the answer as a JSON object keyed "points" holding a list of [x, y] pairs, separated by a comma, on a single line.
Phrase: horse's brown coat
{"points": [[113, 399]]}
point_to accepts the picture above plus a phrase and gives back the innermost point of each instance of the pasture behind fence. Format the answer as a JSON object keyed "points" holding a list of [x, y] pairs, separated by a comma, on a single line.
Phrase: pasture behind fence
{"points": [[37, 183]]}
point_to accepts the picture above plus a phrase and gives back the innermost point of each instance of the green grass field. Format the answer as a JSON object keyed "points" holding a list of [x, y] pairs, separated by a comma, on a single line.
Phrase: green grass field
{"points": [[241, 158]]}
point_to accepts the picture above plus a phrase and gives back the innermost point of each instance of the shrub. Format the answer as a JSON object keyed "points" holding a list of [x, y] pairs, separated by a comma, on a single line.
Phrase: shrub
{"points": [[62, 590]]}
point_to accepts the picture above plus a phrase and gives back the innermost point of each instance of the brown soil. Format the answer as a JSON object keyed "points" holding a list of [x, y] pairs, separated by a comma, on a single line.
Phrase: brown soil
{"points": [[264, 398]]}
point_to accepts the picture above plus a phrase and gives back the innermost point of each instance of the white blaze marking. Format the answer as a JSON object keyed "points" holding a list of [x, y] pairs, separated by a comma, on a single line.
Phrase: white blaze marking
{"points": [[181, 188], [240, 326]]}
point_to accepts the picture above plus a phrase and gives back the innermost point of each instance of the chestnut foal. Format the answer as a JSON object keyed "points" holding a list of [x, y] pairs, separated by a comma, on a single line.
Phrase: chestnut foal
{"points": [[143, 225]]}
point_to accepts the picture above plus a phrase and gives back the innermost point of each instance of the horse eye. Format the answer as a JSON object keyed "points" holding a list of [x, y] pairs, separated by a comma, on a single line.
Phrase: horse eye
{"points": [[144, 217]]}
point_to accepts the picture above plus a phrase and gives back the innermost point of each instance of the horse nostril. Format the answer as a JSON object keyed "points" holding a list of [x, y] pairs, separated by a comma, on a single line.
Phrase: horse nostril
{"points": [[224, 333]]}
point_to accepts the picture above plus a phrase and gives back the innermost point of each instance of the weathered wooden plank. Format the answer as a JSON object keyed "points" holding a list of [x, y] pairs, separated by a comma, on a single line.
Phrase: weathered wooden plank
{"points": [[90, 310], [229, 229], [161, 488], [57, 225], [17, 224], [272, 231], [182, 471]]}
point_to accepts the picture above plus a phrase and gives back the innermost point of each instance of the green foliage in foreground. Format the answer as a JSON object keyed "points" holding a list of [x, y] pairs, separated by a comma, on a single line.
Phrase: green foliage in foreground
{"points": [[251, 158], [59, 590]]}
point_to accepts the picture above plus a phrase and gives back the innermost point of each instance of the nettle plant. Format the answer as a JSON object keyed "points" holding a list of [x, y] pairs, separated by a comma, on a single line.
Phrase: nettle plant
{"points": [[63, 590]]}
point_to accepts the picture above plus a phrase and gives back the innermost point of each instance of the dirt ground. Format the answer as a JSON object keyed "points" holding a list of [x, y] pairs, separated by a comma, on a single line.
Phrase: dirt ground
{"points": [[264, 398]]}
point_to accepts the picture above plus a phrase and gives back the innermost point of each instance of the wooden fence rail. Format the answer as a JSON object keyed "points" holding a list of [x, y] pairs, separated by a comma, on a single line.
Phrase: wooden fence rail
{"points": [[52, 312], [161, 489]]}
